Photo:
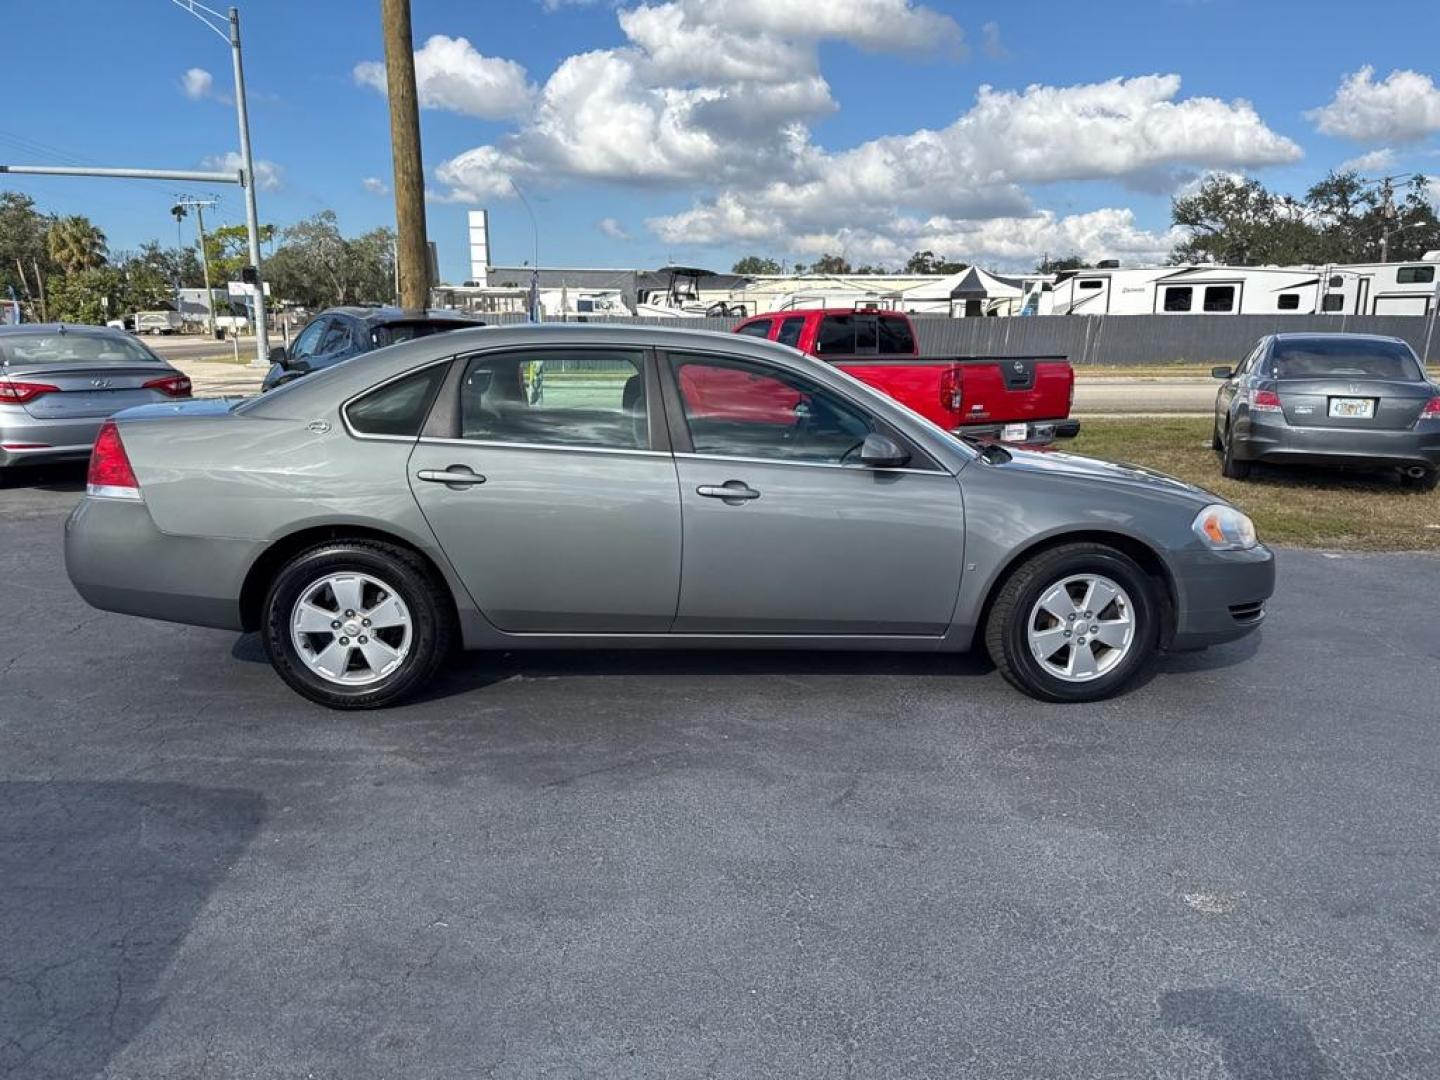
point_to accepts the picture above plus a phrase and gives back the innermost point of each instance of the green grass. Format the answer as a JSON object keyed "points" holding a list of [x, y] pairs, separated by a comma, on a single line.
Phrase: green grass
{"points": [[1298, 506]]}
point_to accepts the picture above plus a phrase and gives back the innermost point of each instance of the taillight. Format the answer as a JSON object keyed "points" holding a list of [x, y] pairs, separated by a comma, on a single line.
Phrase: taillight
{"points": [[170, 385], [110, 473], [17, 393], [951, 393], [1431, 411], [1265, 401]]}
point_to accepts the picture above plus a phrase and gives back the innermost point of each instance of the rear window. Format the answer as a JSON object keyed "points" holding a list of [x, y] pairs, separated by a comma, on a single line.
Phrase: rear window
{"points": [[1318, 358], [398, 408], [395, 333], [54, 347], [896, 336]]}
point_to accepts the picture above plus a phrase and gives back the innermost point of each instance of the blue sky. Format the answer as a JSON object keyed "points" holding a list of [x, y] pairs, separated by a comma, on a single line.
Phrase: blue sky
{"points": [[699, 130]]}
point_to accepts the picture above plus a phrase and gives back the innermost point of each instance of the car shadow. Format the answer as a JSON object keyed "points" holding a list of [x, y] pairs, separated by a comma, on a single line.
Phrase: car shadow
{"points": [[1331, 477], [66, 477], [1259, 1038], [99, 884]]}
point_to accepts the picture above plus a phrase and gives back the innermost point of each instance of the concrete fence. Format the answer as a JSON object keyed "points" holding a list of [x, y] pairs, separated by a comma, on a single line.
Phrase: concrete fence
{"points": [[1123, 339]]}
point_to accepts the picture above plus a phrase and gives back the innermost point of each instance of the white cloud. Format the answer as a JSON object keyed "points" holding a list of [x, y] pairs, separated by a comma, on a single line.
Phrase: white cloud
{"points": [[267, 173], [612, 228], [1375, 161], [991, 45], [375, 185], [197, 83], [719, 97], [451, 74], [1402, 107]]}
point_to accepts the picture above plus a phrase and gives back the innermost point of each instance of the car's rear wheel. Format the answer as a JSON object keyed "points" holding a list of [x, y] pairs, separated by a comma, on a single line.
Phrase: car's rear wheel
{"points": [[1215, 443], [1230, 466], [356, 624], [1074, 623], [1427, 481]]}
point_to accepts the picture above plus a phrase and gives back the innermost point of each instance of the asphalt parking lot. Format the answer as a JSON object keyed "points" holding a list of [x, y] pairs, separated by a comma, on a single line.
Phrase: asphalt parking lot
{"points": [[725, 865]]}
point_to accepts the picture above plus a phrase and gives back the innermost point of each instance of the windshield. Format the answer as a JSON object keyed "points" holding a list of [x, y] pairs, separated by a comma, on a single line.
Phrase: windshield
{"points": [[1319, 358], [56, 347]]}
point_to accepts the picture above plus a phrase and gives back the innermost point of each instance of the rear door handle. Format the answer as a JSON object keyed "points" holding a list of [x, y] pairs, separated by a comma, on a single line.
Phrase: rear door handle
{"points": [[456, 476], [733, 492]]}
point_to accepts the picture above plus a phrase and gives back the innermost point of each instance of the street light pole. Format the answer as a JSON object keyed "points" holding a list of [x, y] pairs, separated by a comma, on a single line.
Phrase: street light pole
{"points": [[252, 218]]}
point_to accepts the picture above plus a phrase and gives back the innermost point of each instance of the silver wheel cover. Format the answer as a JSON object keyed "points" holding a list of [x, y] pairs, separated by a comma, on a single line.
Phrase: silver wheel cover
{"points": [[351, 629], [1081, 628]]}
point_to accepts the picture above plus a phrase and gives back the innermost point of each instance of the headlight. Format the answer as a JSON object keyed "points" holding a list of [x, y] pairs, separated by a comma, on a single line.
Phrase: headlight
{"points": [[1223, 528]]}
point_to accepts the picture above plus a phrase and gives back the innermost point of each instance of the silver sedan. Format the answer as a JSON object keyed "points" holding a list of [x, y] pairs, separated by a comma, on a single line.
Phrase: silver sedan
{"points": [[58, 384], [605, 486]]}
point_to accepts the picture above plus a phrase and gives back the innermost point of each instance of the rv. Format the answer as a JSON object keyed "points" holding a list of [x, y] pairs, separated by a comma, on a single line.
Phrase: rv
{"points": [[1359, 289]]}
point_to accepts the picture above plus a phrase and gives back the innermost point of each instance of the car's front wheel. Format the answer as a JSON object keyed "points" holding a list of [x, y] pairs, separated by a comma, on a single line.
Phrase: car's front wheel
{"points": [[1074, 623], [356, 624]]}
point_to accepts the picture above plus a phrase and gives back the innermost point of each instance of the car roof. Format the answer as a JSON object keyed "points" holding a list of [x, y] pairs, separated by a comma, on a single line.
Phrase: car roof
{"points": [[61, 328], [1329, 335], [824, 311], [389, 314]]}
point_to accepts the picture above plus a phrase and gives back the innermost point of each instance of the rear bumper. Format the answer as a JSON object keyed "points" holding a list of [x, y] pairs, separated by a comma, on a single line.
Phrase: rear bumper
{"points": [[26, 439], [119, 561], [1037, 432], [1278, 443], [1220, 595]]}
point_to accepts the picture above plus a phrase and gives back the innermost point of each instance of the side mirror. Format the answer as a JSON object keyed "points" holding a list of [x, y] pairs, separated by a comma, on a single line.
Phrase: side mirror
{"points": [[1222, 372], [882, 452], [278, 355]]}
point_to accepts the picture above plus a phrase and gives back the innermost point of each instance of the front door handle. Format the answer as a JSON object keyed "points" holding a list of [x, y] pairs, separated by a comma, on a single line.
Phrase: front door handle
{"points": [[456, 477], [733, 492]]}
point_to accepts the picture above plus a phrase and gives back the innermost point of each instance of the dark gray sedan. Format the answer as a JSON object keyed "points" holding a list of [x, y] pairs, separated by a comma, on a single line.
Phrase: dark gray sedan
{"points": [[605, 486], [58, 384], [1350, 400]]}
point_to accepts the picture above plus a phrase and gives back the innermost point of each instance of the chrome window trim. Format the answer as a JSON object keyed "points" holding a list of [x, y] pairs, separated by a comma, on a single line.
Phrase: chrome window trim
{"points": [[857, 467], [431, 440]]}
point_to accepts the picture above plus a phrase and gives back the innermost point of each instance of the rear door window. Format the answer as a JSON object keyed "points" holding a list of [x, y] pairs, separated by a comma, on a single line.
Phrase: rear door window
{"points": [[896, 335], [790, 331], [759, 328]]}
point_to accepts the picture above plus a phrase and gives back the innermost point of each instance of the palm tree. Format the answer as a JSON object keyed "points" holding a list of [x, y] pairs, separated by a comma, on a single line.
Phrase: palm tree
{"points": [[76, 244]]}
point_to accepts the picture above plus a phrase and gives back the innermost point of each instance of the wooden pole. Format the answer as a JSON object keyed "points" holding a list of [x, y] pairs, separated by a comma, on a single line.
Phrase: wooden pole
{"points": [[412, 259]]}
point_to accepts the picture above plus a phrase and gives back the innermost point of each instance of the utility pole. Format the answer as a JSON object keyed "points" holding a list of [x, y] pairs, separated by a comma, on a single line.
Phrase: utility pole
{"points": [[252, 218], [198, 205], [412, 262], [1387, 216]]}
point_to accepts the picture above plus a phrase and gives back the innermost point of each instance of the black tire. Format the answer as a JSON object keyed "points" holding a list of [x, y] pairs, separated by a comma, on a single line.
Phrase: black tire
{"points": [[1231, 467], [1427, 482], [1005, 629], [1215, 443], [431, 630]]}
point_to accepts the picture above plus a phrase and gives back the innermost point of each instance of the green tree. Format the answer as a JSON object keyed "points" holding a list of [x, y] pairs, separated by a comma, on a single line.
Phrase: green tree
{"points": [[831, 264], [751, 265], [927, 262], [22, 245], [1048, 265], [86, 296], [229, 251], [76, 244], [1239, 222], [316, 266]]}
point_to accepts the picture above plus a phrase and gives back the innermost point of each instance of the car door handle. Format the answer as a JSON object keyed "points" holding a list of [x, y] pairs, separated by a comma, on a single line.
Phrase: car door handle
{"points": [[456, 476], [732, 491]]}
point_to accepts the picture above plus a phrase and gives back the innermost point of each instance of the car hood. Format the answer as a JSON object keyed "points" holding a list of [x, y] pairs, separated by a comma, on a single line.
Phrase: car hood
{"points": [[1073, 468]]}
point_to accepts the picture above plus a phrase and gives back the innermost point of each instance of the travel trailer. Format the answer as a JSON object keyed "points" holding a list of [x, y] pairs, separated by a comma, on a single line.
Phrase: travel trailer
{"points": [[1360, 289]]}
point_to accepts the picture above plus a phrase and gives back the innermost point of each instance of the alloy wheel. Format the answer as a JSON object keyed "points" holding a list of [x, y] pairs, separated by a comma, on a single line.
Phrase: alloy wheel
{"points": [[1081, 627], [351, 629]]}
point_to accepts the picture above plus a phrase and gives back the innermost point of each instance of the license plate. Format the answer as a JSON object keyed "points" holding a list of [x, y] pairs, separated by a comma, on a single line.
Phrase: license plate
{"points": [[1014, 432], [1352, 408]]}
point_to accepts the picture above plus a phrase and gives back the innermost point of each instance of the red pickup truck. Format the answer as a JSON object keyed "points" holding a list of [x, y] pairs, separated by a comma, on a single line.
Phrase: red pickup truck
{"points": [[1016, 399]]}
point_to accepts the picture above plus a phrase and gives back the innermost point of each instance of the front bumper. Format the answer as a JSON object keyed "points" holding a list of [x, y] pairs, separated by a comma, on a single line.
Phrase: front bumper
{"points": [[1037, 432], [1277, 443], [118, 560], [1220, 595]]}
